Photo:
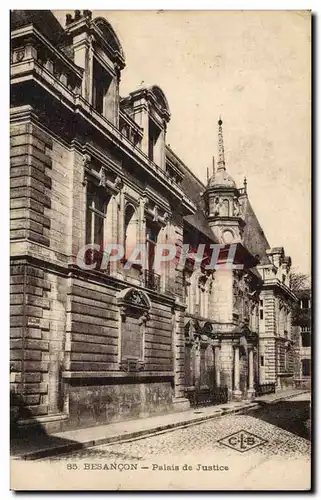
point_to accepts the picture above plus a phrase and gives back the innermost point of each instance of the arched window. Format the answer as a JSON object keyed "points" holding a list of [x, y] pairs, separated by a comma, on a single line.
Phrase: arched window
{"points": [[225, 208], [130, 230]]}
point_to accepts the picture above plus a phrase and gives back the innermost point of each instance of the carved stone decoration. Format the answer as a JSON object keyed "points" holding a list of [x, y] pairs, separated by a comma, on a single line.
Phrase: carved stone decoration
{"points": [[165, 218], [118, 184], [192, 331], [246, 311], [155, 214], [134, 306], [235, 293], [158, 218], [134, 297], [217, 206], [144, 200], [144, 318], [102, 177], [236, 207], [131, 365], [208, 329], [86, 159], [19, 55]]}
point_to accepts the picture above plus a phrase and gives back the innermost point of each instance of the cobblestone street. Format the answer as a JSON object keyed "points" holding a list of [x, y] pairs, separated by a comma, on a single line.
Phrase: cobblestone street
{"points": [[283, 425]]}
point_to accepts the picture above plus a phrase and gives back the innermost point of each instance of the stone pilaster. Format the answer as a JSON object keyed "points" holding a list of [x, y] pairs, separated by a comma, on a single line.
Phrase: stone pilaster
{"points": [[236, 391], [180, 403], [251, 390]]}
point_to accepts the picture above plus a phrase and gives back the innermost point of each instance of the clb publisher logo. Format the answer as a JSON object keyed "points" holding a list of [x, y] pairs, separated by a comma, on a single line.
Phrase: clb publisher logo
{"points": [[242, 441]]}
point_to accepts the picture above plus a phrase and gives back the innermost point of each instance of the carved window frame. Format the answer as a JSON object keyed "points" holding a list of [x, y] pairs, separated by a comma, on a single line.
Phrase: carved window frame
{"points": [[133, 302]]}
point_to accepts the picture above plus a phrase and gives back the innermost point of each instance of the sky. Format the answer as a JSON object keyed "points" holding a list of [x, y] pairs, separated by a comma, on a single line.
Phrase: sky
{"points": [[253, 69]]}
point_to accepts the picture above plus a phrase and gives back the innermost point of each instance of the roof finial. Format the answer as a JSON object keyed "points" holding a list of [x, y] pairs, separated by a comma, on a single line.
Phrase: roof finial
{"points": [[207, 174], [213, 164], [221, 158], [245, 185]]}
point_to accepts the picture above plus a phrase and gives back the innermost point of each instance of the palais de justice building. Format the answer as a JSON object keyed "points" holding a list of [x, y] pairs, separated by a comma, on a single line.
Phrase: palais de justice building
{"points": [[87, 166]]}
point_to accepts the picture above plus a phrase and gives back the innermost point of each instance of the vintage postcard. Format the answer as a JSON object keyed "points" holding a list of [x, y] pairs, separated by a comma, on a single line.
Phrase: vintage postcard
{"points": [[160, 250]]}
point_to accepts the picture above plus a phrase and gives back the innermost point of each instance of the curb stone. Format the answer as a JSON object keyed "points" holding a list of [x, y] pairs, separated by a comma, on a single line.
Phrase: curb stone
{"points": [[160, 429], [62, 449]]}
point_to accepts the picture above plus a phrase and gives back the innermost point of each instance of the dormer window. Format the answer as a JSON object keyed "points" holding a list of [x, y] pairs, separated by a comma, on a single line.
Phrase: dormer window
{"points": [[154, 133], [102, 99]]}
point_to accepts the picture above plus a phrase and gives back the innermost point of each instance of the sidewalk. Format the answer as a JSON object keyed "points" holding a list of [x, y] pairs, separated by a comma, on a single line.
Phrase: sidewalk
{"points": [[44, 445]]}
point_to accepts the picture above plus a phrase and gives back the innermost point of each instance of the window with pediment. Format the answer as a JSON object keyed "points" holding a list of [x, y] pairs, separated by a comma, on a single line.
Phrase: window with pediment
{"points": [[134, 307]]}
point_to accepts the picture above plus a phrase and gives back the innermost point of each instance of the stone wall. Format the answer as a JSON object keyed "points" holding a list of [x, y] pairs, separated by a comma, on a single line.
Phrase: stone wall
{"points": [[64, 323], [104, 401]]}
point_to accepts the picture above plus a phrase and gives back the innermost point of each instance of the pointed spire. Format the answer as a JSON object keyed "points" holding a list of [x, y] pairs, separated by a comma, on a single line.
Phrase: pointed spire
{"points": [[221, 158], [213, 164], [207, 174]]}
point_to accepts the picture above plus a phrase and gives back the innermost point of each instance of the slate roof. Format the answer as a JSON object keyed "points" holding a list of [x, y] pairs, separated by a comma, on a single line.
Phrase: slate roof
{"points": [[254, 238], [43, 20]]}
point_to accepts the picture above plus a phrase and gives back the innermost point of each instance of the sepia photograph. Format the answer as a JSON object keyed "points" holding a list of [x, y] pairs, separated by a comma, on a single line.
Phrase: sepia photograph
{"points": [[160, 250]]}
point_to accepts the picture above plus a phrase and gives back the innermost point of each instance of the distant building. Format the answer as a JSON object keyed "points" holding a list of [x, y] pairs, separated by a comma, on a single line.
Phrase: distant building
{"points": [[302, 339], [88, 167]]}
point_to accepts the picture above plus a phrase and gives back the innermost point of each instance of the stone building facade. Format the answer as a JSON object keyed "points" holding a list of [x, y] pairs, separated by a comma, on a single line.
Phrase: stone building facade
{"points": [[88, 167], [302, 337]]}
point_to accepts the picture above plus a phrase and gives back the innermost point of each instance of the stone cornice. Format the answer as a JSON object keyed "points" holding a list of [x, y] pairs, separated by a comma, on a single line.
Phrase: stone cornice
{"points": [[275, 283], [99, 277], [31, 31]]}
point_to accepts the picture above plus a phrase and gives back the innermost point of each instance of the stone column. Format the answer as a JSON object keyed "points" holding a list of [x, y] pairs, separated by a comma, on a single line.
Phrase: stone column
{"points": [[251, 390], [197, 364], [236, 392], [217, 364]]}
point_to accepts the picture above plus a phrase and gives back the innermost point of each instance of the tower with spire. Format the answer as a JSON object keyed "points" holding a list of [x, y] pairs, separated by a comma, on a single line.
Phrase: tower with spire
{"points": [[222, 200]]}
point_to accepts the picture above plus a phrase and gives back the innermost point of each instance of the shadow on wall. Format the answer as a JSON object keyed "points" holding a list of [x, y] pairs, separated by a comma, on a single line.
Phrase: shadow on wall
{"points": [[33, 437]]}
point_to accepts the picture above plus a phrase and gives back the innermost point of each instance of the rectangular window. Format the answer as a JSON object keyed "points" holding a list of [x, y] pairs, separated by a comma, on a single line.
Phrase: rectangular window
{"points": [[262, 360], [261, 314], [305, 339], [152, 279], [306, 367], [153, 136], [95, 221], [101, 85]]}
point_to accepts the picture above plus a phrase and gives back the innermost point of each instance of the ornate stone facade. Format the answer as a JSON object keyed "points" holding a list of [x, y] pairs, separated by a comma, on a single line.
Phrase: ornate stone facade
{"points": [[104, 343]]}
